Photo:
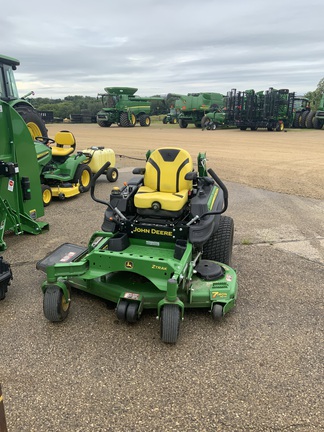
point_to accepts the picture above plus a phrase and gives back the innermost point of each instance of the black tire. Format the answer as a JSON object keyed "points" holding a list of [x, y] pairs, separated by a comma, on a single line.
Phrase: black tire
{"points": [[132, 312], [132, 121], [309, 121], [145, 120], [318, 124], [55, 307], [303, 119], [213, 126], [243, 128], [217, 311], [83, 176], [219, 247], [254, 128], [205, 121], [3, 292], [280, 126], [296, 122], [183, 124], [112, 175], [33, 120], [170, 323], [165, 120], [46, 195], [103, 123], [124, 122], [121, 310]]}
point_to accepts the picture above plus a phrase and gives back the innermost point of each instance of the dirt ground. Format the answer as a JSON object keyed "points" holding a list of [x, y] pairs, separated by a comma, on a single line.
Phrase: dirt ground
{"points": [[290, 162]]}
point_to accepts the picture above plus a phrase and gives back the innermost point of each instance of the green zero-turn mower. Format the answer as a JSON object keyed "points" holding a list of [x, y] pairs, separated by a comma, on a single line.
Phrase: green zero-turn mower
{"points": [[164, 245]]}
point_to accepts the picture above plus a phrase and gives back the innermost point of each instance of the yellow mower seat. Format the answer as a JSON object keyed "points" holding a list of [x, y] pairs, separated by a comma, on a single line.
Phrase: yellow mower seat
{"points": [[165, 187], [65, 144]]}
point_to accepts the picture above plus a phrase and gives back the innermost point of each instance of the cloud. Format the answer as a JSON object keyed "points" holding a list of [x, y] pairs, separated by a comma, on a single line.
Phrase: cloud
{"points": [[162, 47]]}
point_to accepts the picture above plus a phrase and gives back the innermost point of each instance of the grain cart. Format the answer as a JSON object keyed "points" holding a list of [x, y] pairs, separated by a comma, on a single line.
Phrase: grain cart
{"points": [[193, 107], [164, 245], [271, 109], [123, 107], [9, 93], [20, 189]]}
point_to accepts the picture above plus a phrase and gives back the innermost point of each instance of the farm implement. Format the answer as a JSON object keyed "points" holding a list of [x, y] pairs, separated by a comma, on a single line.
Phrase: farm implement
{"points": [[164, 245], [20, 190]]}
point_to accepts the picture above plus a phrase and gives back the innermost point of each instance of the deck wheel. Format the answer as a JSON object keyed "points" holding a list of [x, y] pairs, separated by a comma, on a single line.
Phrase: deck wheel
{"points": [[170, 323]]}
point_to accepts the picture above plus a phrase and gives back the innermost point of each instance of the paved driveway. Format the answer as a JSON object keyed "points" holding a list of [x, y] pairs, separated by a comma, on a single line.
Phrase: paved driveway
{"points": [[260, 369]]}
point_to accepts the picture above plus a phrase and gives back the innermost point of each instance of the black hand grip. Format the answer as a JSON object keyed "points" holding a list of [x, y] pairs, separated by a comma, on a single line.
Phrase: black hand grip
{"points": [[93, 183]]}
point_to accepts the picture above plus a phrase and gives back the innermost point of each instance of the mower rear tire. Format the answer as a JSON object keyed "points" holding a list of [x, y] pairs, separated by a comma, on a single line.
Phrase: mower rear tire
{"points": [[55, 306], [46, 195], [112, 175], [220, 245], [170, 323], [83, 176]]}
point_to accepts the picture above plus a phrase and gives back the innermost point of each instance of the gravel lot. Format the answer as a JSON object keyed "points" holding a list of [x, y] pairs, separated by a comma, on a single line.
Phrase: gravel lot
{"points": [[260, 369]]}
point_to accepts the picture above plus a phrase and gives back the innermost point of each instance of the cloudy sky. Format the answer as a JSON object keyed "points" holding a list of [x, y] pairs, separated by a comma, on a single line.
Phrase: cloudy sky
{"points": [[79, 47]]}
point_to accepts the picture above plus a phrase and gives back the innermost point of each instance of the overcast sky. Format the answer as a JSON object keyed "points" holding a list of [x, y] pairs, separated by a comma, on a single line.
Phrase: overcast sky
{"points": [[79, 47]]}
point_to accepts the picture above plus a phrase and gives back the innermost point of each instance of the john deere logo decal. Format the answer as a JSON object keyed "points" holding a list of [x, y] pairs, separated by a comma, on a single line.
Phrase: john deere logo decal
{"points": [[129, 264]]}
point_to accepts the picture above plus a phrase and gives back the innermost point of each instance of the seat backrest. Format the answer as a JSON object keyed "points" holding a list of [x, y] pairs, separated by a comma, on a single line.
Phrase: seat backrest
{"points": [[65, 143], [166, 168]]}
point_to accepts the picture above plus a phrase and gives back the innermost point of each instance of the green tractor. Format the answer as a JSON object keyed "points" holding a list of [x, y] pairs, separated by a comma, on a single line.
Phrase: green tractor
{"points": [[9, 94], [194, 109], [171, 117], [301, 110], [122, 107], [164, 245], [315, 118]]}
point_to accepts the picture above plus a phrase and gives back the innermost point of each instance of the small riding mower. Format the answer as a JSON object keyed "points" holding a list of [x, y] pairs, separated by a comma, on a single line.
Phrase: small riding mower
{"points": [[63, 174], [163, 245]]}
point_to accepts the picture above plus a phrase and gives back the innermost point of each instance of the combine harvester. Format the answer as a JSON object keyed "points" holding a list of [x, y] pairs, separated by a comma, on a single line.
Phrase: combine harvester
{"points": [[121, 106]]}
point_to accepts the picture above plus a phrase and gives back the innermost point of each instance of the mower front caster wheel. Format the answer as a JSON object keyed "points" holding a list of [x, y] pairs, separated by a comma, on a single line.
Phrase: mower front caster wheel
{"points": [[217, 312], [127, 311], [170, 323], [55, 306]]}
